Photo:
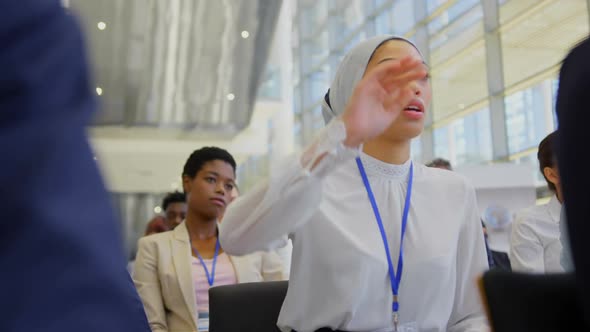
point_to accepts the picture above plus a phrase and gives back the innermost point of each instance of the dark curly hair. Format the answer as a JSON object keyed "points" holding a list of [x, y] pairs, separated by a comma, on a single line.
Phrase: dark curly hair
{"points": [[204, 155], [174, 197]]}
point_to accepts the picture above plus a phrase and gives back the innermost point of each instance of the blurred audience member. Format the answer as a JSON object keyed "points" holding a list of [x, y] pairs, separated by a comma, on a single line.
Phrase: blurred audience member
{"points": [[174, 207], [156, 225], [63, 267], [498, 221], [440, 163], [535, 244], [174, 270]]}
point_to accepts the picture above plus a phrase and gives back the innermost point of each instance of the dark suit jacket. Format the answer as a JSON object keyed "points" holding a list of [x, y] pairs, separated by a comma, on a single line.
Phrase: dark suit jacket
{"points": [[62, 266], [573, 111]]}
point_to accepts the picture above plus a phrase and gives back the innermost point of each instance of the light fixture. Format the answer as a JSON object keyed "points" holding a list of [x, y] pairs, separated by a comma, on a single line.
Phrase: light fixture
{"points": [[231, 96], [99, 91], [245, 34], [461, 106], [101, 25], [174, 185], [157, 209]]}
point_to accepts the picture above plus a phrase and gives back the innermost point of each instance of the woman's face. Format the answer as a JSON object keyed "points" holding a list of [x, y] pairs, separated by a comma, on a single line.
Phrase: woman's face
{"points": [[410, 122], [209, 192]]}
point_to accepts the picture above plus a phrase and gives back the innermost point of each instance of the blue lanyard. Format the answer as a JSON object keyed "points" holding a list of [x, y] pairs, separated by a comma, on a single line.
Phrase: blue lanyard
{"points": [[394, 278], [210, 277]]}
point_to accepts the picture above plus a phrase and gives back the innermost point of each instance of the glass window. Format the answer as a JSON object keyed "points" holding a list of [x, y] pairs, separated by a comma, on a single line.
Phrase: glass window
{"points": [[458, 62], [459, 82], [297, 99], [528, 117], [440, 36], [316, 85], [271, 84], [345, 16], [383, 23], [314, 51], [473, 137], [313, 18], [451, 14], [416, 150], [442, 144], [403, 16], [466, 140], [432, 5], [541, 36]]}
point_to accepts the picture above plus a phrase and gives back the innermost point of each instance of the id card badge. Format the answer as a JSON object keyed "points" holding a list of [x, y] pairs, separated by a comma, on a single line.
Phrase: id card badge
{"points": [[406, 327], [203, 322]]}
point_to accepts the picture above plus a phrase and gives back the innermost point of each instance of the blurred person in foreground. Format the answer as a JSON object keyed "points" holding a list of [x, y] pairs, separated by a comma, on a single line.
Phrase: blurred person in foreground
{"points": [[573, 104], [63, 262]]}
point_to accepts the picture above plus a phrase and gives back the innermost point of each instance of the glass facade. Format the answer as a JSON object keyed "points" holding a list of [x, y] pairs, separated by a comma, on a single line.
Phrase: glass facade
{"points": [[533, 36]]}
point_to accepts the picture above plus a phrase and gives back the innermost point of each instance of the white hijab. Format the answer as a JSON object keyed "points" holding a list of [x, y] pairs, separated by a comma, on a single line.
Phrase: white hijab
{"points": [[350, 72]]}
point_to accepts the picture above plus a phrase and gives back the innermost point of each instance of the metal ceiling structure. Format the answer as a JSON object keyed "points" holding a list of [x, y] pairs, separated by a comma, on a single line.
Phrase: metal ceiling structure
{"points": [[179, 64]]}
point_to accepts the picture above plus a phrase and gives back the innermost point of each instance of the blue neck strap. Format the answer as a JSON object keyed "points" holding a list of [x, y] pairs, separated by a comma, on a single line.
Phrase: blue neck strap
{"points": [[210, 277], [394, 278]]}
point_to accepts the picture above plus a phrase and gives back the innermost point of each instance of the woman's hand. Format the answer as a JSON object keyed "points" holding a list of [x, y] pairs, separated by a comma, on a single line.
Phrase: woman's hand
{"points": [[380, 97]]}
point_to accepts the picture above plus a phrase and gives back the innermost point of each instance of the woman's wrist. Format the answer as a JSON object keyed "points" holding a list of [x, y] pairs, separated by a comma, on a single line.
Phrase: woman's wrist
{"points": [[352, 140]]}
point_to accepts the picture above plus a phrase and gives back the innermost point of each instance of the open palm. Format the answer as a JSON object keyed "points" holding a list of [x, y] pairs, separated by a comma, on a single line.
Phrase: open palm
{"points": [[380, 97]]}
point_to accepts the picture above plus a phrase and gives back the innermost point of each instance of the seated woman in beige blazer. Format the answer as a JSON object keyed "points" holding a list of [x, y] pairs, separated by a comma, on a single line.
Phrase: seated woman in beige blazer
{"points": [[174, 270]]}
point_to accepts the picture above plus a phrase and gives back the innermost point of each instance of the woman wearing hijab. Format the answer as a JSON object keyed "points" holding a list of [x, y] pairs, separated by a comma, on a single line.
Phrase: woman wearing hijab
{"points": [[380, 243]]}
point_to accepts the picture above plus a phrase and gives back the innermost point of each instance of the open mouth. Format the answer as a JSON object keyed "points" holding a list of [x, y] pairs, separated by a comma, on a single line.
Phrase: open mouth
{"points": [[413, 108]]}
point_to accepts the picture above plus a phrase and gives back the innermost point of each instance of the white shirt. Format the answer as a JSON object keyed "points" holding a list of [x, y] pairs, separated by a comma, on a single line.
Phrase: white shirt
{"points": [[535, 245], [339, 275]]}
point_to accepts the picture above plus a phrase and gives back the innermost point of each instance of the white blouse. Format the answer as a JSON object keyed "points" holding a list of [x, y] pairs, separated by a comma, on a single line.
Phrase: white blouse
{"points": [[534, 243], [339, 276]]}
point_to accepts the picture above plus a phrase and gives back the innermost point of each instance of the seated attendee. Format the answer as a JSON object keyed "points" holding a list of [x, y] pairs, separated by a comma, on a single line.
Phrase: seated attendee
{"points": [[498, 223], [174, 270], [440, 163], [174, 207], [380, 243], [535, 245], [156, 225]]}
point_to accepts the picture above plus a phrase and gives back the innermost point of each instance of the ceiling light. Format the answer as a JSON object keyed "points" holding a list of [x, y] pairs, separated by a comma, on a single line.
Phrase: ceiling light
{"points": [[99, 91], [101, 25], [157, 209], [174, 185], [461, 106], [231, 96], [245, 34]]}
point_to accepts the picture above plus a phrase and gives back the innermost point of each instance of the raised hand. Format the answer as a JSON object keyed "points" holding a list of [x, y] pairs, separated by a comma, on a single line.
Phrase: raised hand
{"points": [[380, 97]]}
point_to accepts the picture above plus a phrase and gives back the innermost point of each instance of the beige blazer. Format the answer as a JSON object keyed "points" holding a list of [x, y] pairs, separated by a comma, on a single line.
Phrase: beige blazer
{"points": [[164, 280]]}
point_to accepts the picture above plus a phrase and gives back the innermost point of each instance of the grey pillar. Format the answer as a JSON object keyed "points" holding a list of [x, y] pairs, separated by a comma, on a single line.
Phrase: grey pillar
{"points": [[495, 77], [422, 40]]}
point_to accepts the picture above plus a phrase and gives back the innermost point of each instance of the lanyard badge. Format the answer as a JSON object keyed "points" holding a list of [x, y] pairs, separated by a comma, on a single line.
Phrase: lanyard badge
{"points": [[394, 278], [210, 277]]}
